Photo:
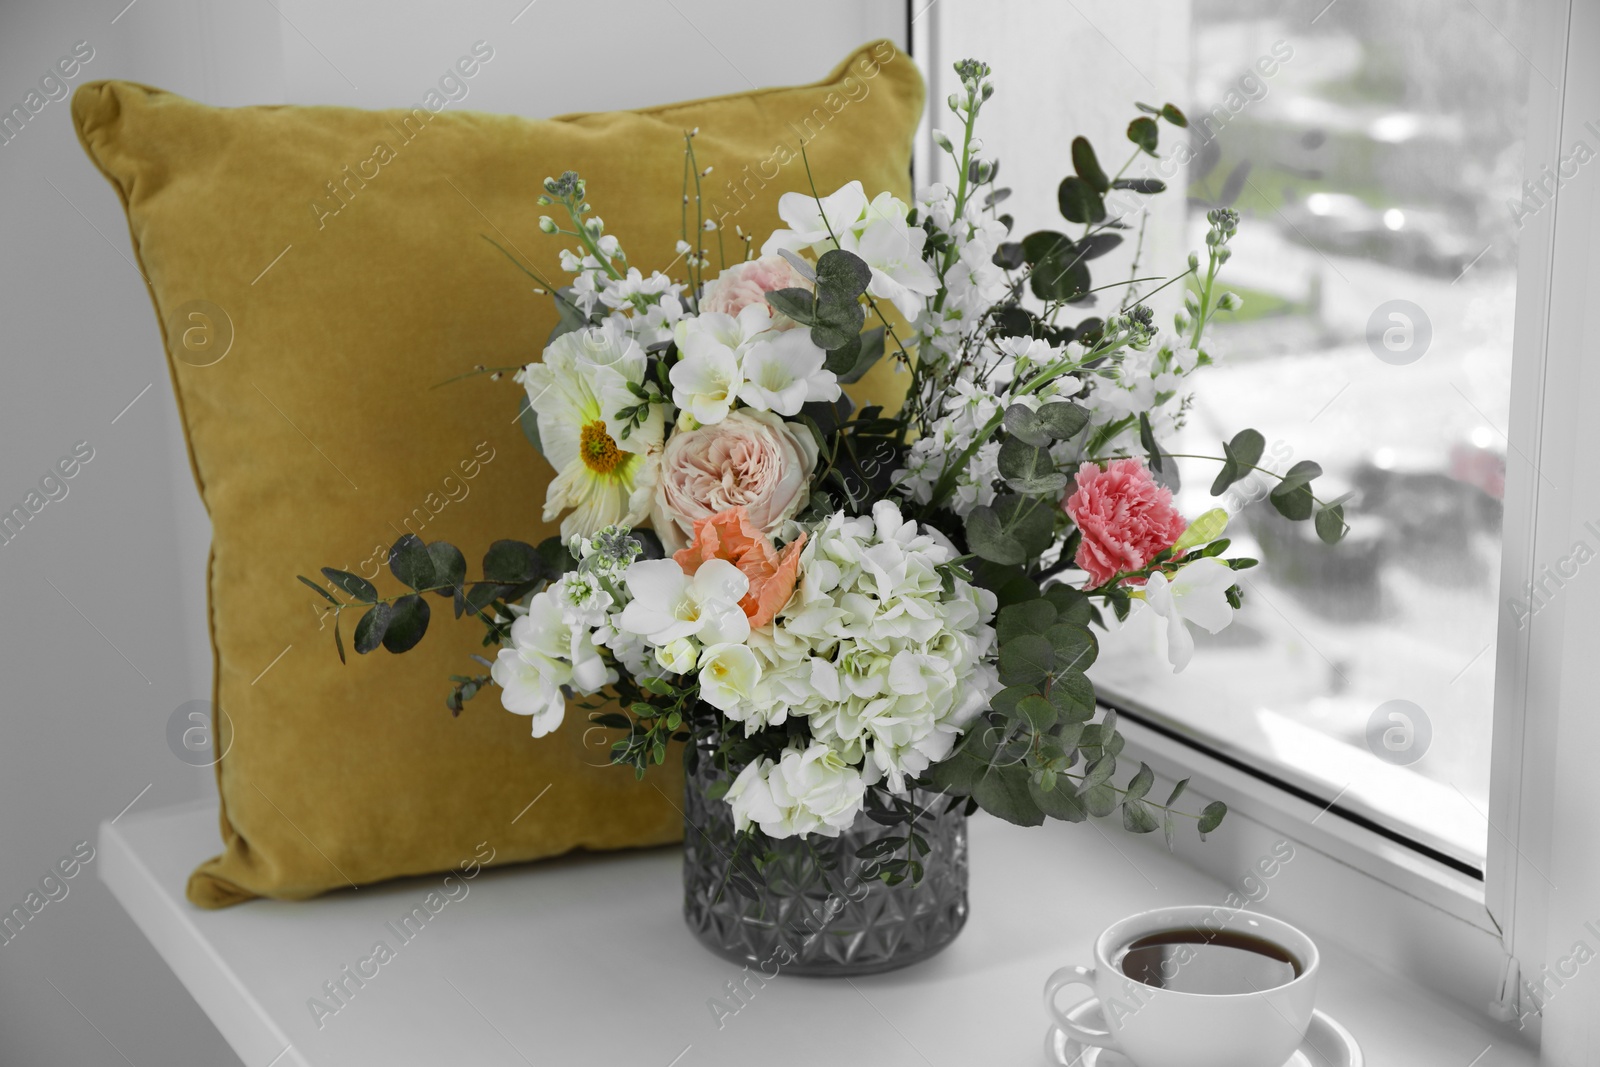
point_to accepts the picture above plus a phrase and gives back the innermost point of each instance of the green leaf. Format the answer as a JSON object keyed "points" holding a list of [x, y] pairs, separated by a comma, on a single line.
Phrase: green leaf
{"points": [[958, 774], [1031, 617], [1146, 186], [1071, 604], [1029, 469], [1079, 202], [843, 274], [987, 537], [1246, 447], [1087, 166], [512, 563], [370, 629], [798, 304], [1044, 244], [1147, 438], [1031, 520], [528, 419], [1099, 771], [1062, 418], [1074, 646], [329, 597], [407, 625], [1025, 425], [1095, 245], [1211, 816], [1207, 528], [1026, 660], [1004, 792], [1142, 131], [1330, 523], [1061, 802], [1073, 696], [853, 360], [449, 566], [1177, 791], [355, 585], [1239, 456], [338, 642], [1060, 278], [1039, 712], [1100, 800], [480, 595], [1171, 113], [1010, 585], [1292, 496], [837, 321], [410, 562], [1141, 782], [1136, 818]]}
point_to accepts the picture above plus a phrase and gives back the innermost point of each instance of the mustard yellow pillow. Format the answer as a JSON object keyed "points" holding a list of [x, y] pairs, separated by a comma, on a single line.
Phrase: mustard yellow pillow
{"points": [[317, 271]]}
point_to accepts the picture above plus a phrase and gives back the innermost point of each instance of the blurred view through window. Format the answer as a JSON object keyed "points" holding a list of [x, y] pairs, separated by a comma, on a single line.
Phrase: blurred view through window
{"points": [[1374, 152]]}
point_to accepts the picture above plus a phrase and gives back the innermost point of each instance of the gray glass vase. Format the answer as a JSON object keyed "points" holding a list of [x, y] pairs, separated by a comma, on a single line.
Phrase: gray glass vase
{"points": [[815, 907]]}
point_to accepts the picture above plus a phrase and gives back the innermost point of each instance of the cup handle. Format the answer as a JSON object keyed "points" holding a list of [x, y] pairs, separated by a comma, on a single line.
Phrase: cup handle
{"points": [[1066, 976]]}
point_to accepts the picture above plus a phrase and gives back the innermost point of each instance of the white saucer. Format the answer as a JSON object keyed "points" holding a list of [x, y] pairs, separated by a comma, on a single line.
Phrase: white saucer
{"points": [[1327, 1044]]}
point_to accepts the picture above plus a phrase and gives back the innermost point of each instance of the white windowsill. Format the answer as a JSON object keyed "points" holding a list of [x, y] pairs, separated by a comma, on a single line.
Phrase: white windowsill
{"points": [[587, 960]]}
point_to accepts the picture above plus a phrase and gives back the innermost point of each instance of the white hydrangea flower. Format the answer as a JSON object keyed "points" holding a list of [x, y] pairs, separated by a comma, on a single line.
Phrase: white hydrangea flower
{"points": [[884, 663], [809, 791]]}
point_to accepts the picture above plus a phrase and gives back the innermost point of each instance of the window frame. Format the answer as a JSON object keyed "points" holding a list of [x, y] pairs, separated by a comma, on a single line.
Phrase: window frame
{"points": [[1417, 916]]}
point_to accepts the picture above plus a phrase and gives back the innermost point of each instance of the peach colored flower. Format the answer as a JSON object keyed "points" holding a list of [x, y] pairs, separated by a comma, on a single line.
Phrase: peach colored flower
{"points": [[1126, 518], [772, 574], [751, 459], [743, 284]]}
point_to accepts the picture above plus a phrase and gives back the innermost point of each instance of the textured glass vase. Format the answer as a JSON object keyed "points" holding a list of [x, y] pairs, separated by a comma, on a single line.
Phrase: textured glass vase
{"points": [[818, 909]]}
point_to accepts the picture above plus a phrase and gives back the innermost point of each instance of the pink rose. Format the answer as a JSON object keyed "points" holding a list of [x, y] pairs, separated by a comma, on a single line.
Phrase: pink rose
{"points": [[751, 459], [748, 283], [1126, 519]]}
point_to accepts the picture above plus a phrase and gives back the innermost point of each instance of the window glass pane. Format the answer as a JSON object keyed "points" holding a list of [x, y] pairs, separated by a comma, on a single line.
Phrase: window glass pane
{"points": [[1374, 152]]}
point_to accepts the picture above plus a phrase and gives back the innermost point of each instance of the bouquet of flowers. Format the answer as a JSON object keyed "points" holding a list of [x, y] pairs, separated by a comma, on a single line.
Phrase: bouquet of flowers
{"points": [[837, 606]]}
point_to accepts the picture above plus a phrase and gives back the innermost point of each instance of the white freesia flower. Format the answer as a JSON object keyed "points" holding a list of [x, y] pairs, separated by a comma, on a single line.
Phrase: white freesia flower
{"points": [[894, 252], [678, 657], [810, 221], [545, 654], [1197, 593], [785, 370], [728, 676], [803, 792], [575, 393], [707, 377], [668, 604]]}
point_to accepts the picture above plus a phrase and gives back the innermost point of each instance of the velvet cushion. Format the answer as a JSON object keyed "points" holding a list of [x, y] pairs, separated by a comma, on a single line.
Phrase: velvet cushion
{"points": [[317, 273]]}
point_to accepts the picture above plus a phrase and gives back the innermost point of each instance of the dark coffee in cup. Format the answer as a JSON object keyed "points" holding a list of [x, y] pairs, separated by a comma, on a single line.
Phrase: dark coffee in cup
{"points": [[1207, 962]]}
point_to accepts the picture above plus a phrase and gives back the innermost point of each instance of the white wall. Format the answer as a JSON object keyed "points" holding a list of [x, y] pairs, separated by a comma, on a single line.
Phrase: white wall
{"points": [[102, 603]]}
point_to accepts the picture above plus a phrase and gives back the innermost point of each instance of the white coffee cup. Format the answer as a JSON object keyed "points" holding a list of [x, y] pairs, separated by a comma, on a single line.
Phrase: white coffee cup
{"points": [[1157, 1027]]}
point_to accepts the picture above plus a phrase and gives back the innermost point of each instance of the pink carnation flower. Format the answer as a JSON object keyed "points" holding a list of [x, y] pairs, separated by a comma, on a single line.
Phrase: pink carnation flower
{"points": [[743, 284], [1126, 518]]}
